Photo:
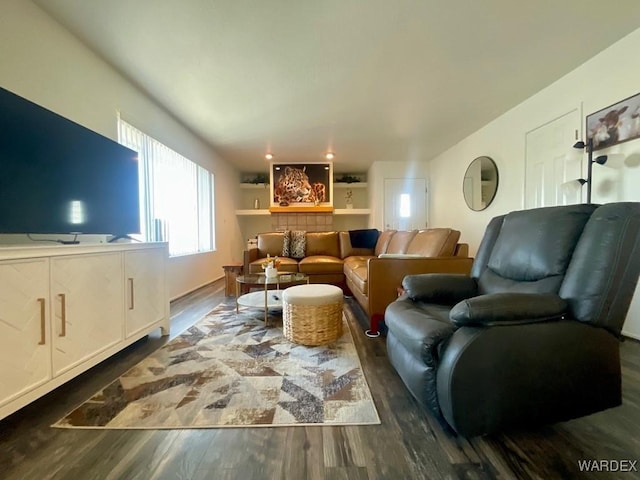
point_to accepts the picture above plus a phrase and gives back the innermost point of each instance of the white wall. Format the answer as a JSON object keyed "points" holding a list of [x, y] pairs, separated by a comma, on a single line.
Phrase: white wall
{"points": [[42, 62], [607, 78]]}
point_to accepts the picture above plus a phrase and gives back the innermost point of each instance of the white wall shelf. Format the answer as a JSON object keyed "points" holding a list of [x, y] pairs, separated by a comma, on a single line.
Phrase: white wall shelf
{"points": [[253, 212], [346, 185], [337, 211], [252, 220], [352, 211]]}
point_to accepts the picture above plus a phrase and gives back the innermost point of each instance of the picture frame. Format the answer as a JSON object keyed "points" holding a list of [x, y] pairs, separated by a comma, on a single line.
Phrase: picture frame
{"points": [[307, 184], [617, 123]]}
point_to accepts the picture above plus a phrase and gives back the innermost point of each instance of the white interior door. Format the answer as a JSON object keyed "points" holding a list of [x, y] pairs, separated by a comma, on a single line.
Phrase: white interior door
{"points": [[551, 160], [405, 203]]}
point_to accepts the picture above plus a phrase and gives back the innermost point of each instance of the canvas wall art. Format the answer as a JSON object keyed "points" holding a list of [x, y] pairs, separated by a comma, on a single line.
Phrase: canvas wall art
{"points": [[301, 184], [615, 124]]}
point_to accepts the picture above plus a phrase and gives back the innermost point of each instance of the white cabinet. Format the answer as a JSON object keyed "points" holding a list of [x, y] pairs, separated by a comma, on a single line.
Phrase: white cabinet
{"points": [[145, 289], [24, 327], [65, 309], [87, 304]]}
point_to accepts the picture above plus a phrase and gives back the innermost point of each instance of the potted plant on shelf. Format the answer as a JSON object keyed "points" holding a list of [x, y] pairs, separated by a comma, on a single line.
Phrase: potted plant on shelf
{"points": [[347, 179], [348, 198], [258, 179]]}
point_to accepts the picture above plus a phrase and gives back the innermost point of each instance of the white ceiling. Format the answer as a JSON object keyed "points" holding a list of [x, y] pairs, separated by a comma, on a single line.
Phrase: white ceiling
{"points": [[369, 79]]}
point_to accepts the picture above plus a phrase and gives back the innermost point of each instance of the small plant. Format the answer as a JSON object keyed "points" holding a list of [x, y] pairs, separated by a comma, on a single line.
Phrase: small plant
{"points": [[347, 179], [259, 178], [349, 196], [270, 261]]}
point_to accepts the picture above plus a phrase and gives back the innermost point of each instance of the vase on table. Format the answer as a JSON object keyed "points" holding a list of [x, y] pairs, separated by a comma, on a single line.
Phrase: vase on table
{"points": [[271, 271]]}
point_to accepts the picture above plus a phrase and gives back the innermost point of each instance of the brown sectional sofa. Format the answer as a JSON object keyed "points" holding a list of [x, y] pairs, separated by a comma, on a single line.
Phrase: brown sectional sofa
{"points": [[374, 278], [372, 275], [322, 262]]}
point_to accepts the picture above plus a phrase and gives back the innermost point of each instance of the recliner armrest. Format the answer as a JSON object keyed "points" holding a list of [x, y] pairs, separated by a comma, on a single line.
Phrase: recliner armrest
{"points": [[508, 309], [443, 289]]}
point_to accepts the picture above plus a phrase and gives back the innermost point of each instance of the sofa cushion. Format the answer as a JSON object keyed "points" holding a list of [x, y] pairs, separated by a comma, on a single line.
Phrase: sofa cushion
{"points": [[295, 244], [323, 243], [356, 260], [270, 243], [286, 265], [320, 264], [383, 242], [400, 242], [347, 250], [357, 272], [434, 242]]}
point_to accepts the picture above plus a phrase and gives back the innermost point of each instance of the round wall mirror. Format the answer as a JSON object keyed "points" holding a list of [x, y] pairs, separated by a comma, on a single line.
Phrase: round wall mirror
{"points": [[480, 183]]}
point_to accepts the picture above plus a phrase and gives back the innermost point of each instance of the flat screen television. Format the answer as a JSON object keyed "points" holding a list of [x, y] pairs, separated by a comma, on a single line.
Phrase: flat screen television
{"points": [[59, 177]]}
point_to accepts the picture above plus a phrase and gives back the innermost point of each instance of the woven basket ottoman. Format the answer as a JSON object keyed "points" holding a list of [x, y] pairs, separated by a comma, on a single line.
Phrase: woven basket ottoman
{"points": [[312, 314]]}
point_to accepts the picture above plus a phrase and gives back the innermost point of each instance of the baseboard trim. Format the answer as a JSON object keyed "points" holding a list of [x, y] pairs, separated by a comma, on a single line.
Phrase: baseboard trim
{"points": [[631, 336], [205, 284]]}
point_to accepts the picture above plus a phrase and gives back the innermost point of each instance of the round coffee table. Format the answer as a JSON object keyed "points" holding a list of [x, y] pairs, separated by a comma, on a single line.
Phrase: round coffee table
{"points": [[271, 295]]}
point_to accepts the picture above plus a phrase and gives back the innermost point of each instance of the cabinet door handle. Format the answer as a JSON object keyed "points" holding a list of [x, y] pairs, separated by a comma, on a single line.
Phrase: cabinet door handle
{"points": [[63, 311], [43, 337], [131, 294]]}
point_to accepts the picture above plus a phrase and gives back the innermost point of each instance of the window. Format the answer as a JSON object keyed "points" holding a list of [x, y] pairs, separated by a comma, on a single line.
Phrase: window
{"points": [[176, 195], [405, 205]]}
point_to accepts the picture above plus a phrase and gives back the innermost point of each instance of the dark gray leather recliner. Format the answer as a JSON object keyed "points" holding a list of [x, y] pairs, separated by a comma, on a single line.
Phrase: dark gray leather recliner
{"points": [[532, 335]]}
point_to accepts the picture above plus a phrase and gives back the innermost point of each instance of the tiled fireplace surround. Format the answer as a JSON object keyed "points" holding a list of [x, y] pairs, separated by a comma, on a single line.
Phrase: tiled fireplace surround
{"points": [[310, 222]]}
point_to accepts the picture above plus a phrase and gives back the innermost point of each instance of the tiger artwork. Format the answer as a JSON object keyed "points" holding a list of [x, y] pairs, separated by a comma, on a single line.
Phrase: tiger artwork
{"points": [[293, 186]]}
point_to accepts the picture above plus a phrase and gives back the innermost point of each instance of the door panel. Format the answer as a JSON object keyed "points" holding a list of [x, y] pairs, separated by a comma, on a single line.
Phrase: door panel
{"points": [[551, 161], [405, 203]]}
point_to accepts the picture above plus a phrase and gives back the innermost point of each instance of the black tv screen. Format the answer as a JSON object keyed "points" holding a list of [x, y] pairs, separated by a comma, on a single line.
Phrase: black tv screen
{"points": [[59, 177]]}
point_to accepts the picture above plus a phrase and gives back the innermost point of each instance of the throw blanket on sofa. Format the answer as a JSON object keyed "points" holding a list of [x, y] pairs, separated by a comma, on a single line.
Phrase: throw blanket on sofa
{"points": [[366, 238], [295, 244]]}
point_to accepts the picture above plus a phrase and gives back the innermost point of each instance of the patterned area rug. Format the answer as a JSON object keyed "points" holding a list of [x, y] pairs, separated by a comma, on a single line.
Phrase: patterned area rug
{"points": [[229, 370]]}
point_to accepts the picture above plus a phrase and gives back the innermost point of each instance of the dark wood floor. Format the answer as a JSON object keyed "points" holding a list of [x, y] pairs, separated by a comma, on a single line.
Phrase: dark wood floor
{"points": [[409, 444]]}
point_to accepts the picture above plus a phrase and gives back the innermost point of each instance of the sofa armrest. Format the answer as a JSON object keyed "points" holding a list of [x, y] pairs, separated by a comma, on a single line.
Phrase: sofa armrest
{"points": [[385, 276], [462, 250], [440, 288], [508, 309], [249, 256]]}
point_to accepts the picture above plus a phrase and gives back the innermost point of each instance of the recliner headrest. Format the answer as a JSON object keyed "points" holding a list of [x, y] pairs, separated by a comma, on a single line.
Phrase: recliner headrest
{"points": [[538, 243]]}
